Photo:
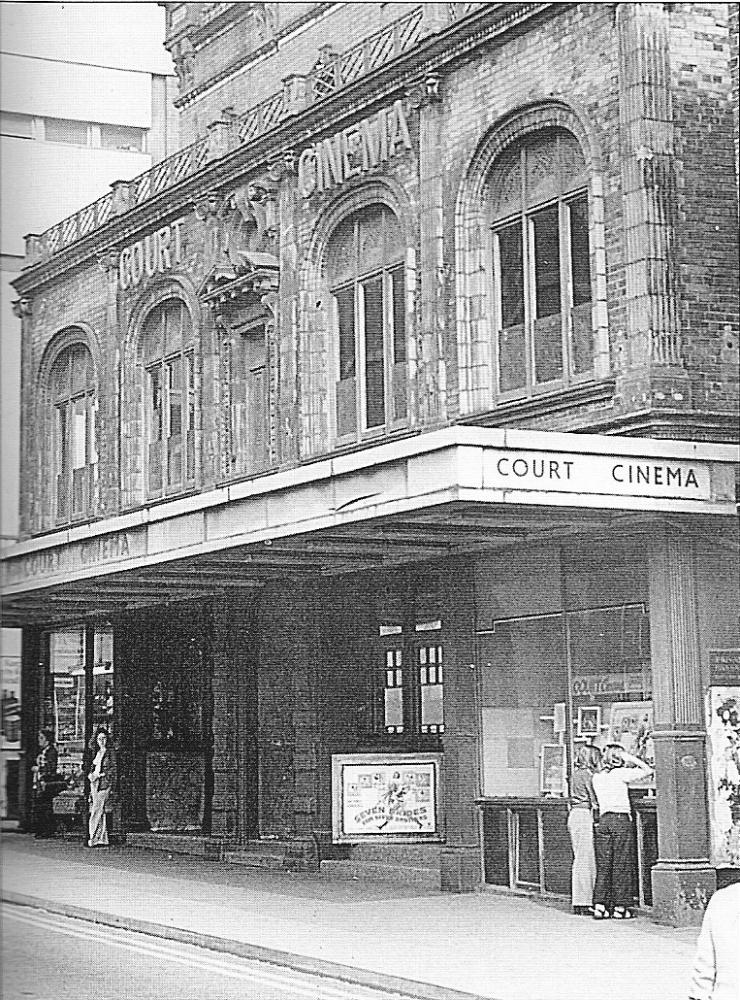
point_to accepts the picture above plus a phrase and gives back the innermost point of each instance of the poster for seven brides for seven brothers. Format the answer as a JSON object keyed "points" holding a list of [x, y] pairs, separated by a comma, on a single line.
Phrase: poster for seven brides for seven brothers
{"points": [[377, 796]]}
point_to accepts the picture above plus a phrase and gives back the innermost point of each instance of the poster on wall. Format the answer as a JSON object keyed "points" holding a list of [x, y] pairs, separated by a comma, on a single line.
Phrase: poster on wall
{"points": [[723, 750], [377, 797], [631, 726]]}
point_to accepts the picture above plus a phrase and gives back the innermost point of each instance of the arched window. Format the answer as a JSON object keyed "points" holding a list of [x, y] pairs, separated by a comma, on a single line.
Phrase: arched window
{"points": [[168, 358], [365, 271], [543, 326], [75, 456]]}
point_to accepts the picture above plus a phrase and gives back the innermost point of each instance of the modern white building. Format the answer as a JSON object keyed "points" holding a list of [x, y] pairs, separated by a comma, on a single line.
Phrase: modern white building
{"points": [[86, 94]]}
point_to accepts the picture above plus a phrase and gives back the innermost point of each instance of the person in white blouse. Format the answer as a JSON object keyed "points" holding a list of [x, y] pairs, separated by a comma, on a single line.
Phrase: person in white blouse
{"points": [[614, 837], [102, 784], [716, 973]]}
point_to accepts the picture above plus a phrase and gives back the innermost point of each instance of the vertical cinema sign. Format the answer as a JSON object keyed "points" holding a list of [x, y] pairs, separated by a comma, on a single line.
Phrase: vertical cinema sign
{"points": [[353, 151]]}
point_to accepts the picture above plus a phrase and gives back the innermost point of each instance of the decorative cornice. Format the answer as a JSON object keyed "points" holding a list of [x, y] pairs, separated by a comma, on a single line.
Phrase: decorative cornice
{"points": [[434, 55], [237, 65]]}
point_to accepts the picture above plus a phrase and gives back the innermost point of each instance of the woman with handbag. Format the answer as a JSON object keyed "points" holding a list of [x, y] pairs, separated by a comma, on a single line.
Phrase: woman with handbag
{"points": [[46, 785], [102, 778]]}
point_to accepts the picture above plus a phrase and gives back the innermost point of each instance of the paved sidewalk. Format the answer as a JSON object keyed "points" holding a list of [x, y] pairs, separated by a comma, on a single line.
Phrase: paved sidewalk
{"points": [[376, 933]]}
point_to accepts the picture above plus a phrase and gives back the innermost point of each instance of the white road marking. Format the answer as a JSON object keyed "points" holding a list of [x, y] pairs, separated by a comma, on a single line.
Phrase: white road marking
{"points": [[304, 984]]}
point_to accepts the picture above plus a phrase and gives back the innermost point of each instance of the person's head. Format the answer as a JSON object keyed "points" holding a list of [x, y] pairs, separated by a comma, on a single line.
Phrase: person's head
{"points": [[101, 737], [588, 758], [612, 757], [46, 737]]}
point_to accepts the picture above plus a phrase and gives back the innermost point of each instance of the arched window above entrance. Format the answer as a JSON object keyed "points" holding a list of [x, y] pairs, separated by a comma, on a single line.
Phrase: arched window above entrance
{"points": [[364, 267], [73, 403], [541, 249], [166, 351]]}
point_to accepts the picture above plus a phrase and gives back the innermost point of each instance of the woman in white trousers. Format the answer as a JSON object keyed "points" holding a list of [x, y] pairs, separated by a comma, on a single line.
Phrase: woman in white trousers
{"points": [[581, 829], [102, 781]]}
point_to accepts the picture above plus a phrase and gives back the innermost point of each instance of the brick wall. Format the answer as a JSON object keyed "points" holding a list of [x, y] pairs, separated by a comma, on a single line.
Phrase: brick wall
{"points": [[662, 188], [297, 51]]}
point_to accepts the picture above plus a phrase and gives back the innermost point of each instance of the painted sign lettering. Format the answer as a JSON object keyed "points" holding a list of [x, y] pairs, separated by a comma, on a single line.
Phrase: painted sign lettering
{"points": [[353, 151], [76, 556], [596, 474], [151, 255]]}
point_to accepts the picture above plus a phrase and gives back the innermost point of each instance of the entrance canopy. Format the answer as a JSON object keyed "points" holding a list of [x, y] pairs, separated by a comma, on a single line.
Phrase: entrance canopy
{"points": [[451, 491]]}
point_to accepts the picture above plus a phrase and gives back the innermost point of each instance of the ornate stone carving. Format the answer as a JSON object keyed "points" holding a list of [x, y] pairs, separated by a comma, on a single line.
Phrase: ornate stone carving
{"points": [[122, 191], [108, 261], [183, 56], [22, 307]]}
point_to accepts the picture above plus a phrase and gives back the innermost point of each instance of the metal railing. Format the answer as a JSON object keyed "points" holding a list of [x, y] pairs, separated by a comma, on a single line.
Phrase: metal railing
{"points": [[332, 72]]}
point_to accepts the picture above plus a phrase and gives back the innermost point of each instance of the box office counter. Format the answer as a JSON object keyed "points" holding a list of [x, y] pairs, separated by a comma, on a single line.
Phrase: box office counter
{"points": [[526, 845]]}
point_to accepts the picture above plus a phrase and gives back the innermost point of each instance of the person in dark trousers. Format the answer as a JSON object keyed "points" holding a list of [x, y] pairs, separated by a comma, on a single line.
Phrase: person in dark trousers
{"points": [[614, 838], [45, 785]]}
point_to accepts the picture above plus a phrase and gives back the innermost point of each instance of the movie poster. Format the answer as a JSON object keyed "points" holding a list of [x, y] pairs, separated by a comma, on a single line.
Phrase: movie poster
{"points": [[383, 795]]}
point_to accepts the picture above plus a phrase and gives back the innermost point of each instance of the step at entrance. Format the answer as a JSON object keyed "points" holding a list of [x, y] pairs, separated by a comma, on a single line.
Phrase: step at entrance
{"points": [[275, 855], [193, 844]]}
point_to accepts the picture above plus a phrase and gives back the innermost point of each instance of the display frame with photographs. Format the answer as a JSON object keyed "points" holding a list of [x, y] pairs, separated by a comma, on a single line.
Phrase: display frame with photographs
{"points": [[588, 724], [553, 778]]}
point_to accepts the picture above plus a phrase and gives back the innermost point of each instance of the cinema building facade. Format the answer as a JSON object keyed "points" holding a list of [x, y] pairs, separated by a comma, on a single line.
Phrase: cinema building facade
{"points": [[379, 448]]}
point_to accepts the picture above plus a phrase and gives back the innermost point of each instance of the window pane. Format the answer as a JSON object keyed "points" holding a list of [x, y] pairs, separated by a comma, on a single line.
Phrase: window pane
{"points": [[174, 379], [174, 422], [62, 452], [548, 330], [345, 299], [511, 341], [511, 275], [121, 137], [393, 709], [79, 434], [66, 130], [374, 360], [432, 710], [399, 316], [579, 251], [190, 453], [155, 429], [547, 262], [371, 243]]}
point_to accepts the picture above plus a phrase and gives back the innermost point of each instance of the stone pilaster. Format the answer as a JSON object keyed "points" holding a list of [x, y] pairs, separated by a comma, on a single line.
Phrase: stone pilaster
{"points": [[650, 353], [682, 879], [430, 383], [22, 309], [286, 345], [460, 860], [109, 380]]}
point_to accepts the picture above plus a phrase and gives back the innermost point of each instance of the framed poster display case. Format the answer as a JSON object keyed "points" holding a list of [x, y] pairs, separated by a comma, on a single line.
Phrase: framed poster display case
{"points": [[386, 798]]}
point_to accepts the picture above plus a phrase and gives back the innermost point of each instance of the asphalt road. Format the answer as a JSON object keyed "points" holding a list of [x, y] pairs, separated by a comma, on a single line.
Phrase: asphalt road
{"points": [[49, 957]]}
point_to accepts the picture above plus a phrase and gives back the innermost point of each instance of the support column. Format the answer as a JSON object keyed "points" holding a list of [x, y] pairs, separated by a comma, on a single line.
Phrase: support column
{"points": [[132, 641], [682, 879], [431, 368], [32, 667], [460, 859], [233, 691]]}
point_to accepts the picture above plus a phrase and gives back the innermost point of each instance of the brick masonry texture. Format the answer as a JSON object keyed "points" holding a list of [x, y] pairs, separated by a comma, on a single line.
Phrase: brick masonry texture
{"points": [[568, 64]]}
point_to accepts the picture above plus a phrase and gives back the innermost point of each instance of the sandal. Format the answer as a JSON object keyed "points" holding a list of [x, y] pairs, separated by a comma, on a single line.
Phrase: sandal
{"points": [[623, 913], [601, 912]]}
